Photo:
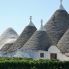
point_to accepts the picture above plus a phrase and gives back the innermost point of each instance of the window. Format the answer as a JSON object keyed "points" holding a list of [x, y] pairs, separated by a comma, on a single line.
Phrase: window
{"points": [[42, 55], [53, 56]]}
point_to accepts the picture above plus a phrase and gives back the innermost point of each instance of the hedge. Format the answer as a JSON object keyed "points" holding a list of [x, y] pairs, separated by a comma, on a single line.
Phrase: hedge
{"points": [[24, 63]]}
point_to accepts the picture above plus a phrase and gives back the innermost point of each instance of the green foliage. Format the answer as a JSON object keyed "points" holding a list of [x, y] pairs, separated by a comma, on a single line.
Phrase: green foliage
{"points": [[29, 63]]}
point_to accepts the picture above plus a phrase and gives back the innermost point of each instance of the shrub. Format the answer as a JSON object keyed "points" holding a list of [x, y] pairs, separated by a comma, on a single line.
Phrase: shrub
{"points": [[26, 63]]}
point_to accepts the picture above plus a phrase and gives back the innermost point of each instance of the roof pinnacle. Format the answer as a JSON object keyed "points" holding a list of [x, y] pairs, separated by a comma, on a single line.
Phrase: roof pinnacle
{"points": [[61, 6], [61, 1], [30, 18], [41, 23], [42, 28], [31, 23]]}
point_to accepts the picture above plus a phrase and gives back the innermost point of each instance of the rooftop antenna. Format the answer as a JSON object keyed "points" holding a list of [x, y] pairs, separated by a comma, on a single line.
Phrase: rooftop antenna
{"points": [[31, 23], [61, 6]]}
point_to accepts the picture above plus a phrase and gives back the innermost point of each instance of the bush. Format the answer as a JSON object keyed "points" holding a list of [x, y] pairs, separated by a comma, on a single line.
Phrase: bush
{"points": [[26, 63]]}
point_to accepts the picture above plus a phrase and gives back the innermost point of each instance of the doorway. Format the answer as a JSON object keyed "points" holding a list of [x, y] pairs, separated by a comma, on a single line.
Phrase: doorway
{"points": [[53, 56]]}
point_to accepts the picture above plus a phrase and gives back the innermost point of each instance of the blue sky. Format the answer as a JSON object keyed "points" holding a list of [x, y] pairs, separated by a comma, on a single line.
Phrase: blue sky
{"points": [[15, 13]]}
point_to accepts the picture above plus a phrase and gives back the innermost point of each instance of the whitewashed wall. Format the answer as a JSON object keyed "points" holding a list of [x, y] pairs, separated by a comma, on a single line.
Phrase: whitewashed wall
{"points": [[19, 53], [1, 53], [35, 54], [60, 56]]}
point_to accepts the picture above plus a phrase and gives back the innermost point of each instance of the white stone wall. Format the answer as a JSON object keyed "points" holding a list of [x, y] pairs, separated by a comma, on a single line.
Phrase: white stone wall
{"points": [[60, 56], [32, 54], [21, 54], [35, 54]]}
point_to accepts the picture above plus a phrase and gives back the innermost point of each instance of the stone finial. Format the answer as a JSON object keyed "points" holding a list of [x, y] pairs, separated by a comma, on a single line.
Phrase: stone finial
{"points": [[41, 23], [61, 1], [31, 23], [61, 6], [42, 28], [30, 18]]}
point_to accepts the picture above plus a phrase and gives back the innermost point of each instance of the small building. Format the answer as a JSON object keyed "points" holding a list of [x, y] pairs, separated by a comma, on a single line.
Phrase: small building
{"points": [[51, 41]]}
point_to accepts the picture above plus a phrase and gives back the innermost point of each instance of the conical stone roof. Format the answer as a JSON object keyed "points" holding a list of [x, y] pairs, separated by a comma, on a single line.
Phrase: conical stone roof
{"points": [[6, 47], [38, 41], [9, 36], [63, 43], [57, 25], [23, 38], [9, 33]]}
